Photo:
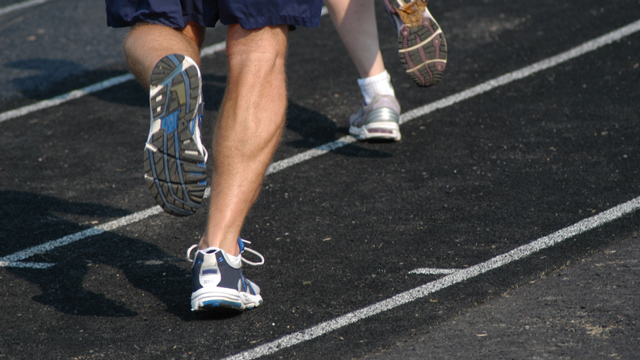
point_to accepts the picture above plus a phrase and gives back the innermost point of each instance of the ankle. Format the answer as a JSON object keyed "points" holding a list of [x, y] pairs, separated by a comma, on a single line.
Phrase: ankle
{"points": [[376, 85], [231, 249]]}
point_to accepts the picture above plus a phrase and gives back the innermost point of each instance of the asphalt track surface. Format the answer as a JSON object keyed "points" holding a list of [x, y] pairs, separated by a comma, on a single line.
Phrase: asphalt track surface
{"points": [[503, 225]]}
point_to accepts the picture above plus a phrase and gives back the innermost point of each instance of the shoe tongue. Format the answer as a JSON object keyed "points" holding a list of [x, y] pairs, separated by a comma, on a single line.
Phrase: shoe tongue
{"points": [[210, 250]]}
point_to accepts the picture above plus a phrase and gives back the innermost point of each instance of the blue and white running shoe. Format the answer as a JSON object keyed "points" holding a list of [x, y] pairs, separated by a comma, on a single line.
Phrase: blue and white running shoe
{"points": [[218, 282], [174, 157]]}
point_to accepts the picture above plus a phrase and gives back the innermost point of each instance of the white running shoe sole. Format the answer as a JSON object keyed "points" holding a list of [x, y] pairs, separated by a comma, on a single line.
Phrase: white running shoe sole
{"points": [[174, 158]]}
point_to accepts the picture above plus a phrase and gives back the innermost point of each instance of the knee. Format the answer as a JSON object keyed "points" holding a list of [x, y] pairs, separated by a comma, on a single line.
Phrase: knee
{"points": [[195, 33], [148, 39], [265, 47]]}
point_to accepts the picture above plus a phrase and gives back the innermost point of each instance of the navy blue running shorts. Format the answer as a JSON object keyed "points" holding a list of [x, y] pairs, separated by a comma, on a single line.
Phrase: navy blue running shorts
{"points": [[250, 14]]}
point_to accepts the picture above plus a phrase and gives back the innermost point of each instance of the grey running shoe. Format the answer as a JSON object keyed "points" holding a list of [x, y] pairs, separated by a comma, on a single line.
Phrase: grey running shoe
{"points": [[377, 121], [174, 158], [421, 44], [218, 282]]}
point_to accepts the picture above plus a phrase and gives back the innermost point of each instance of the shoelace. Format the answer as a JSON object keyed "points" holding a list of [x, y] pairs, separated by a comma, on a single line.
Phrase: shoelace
{"points": [[243, 248]]}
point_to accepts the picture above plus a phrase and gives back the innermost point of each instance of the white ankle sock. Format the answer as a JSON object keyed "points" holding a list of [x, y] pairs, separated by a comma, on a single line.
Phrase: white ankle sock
{"points": [[236, 261], [376, 85]]}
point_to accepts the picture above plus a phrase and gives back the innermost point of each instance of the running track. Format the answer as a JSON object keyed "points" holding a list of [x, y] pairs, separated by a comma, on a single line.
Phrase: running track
{"points": [[503, 201]]}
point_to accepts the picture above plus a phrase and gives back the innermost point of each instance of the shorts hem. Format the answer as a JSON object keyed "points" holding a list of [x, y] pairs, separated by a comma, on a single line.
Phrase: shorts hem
{"points": [[276, 20]]}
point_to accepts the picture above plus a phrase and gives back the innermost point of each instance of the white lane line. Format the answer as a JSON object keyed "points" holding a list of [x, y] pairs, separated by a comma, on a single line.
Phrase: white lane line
{"points": [[25, 110], [212, 49], [404, 118], [10, 260], [432, 271], [443, 283], [309, 154], [75, 94], [7, 9], [32, 265]]}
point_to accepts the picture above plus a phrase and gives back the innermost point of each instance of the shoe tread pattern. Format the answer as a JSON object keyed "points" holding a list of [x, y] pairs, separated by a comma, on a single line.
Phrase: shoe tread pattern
{"points": [[175, 172], [425, 64]]}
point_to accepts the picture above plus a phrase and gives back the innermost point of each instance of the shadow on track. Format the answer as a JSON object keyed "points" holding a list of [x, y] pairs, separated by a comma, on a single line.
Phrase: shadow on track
{"points": [[86, 278]]}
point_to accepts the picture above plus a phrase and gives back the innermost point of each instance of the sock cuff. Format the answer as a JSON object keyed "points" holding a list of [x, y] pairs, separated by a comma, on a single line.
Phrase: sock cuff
{"points": [[383, 76], [376, 85]]}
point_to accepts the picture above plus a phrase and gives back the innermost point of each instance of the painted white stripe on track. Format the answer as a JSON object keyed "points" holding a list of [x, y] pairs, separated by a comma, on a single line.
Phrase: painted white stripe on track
{"points": [[432, 271], [443, 283], [45, 104], [23, 5], [309, 154], [32, 265], [406, 117], [48, 246]]}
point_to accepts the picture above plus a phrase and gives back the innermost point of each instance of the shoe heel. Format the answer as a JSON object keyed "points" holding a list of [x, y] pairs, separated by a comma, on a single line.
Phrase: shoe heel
{"points": [[382, 115]]}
